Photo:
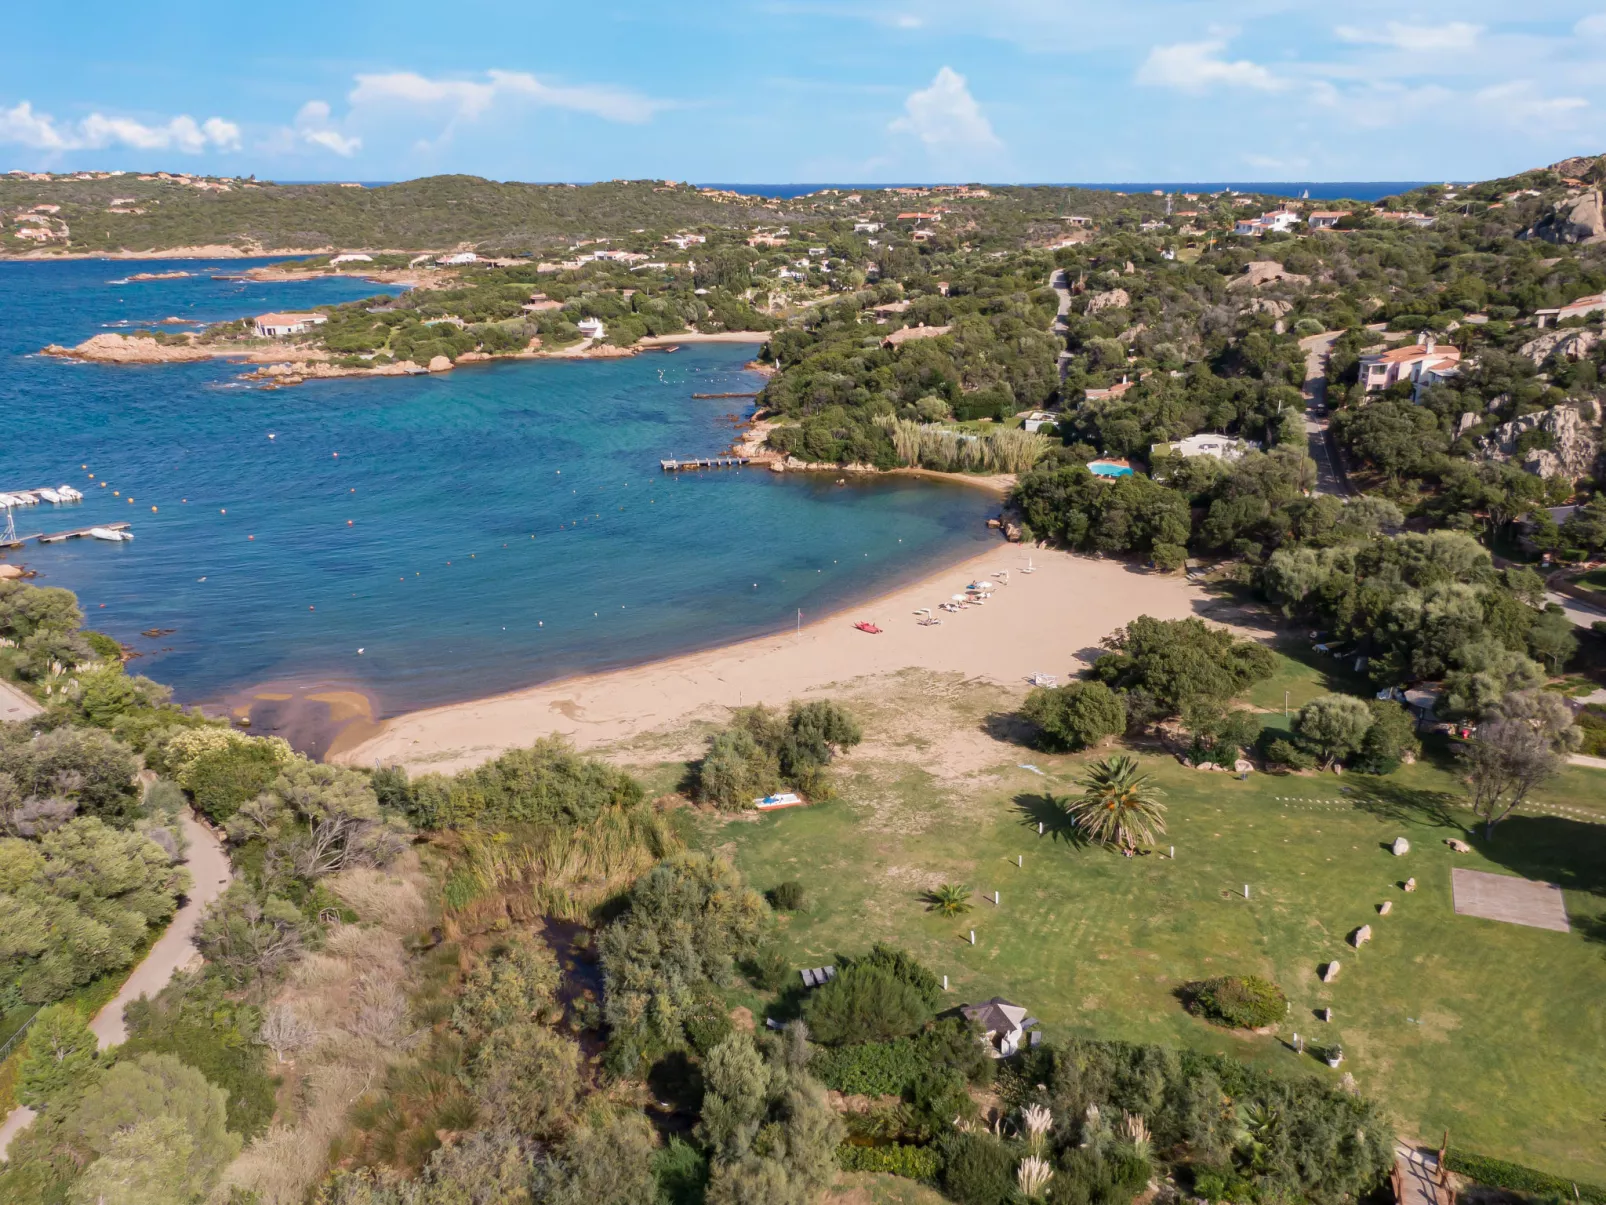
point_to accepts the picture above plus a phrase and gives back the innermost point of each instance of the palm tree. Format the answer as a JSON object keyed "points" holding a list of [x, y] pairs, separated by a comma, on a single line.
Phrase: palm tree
{"points": [[951, 899], [1118, 806]]}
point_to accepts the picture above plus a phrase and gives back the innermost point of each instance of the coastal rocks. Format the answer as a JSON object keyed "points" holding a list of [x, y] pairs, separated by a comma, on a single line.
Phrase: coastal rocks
{"points": [[158, 276], [1580, 219], [1573, 448], [1115, 299], [129, 349], [470, 357], [440, 363], [1268, 305], [10, 571], [1264, 272], [1572, 344], [1466, 422]]}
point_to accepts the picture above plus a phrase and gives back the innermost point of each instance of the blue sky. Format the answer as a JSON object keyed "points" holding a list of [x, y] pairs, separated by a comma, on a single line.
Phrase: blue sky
{"points": [[811, 90]]}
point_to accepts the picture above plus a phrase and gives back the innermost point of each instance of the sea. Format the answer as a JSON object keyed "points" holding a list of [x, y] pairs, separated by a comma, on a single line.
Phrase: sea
{"points": [[418, 540]]}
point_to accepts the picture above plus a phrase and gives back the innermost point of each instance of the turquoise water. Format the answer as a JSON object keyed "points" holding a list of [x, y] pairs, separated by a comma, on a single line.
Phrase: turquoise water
{"points": [[470, 532], [1104, 468]]}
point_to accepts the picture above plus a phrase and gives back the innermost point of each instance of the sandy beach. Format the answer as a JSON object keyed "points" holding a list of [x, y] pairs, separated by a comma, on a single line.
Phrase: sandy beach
{"points": [[1049, 621]]}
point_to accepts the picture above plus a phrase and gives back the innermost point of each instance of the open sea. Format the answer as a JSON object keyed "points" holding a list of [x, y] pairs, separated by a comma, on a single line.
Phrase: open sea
{"points": [[419, 539]]}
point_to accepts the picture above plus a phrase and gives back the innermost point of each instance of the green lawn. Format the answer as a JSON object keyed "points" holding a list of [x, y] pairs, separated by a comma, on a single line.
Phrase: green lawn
{"points": [[1491, 1030]]}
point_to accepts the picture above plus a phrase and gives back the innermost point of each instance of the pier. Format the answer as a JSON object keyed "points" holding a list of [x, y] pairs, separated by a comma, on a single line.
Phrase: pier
{"points": [[705, 462], [709, 395], [56, 537]]}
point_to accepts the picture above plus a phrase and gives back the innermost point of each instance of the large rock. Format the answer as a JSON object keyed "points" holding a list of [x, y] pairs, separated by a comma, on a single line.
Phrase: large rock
{"points": [[1574, 343], [1574, 444], [1115, 299], [1579, 219], [1264, 272], [439, 363]]}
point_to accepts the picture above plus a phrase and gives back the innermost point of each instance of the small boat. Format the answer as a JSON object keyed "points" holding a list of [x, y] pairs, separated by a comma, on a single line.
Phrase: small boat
{"points": [[50, 496], [866, 626], [107, 533], [67, 494]]}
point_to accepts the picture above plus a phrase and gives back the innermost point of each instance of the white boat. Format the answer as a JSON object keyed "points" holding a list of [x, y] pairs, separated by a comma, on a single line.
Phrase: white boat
{"points": [[50, 495], [68, 494], [106, 533], [20, 498]]}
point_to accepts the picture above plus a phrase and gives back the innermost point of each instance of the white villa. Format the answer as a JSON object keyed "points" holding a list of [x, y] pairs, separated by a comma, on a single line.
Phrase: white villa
{"points": [[1423, 363], [1222, 447], [277, 326], [592, 328]]}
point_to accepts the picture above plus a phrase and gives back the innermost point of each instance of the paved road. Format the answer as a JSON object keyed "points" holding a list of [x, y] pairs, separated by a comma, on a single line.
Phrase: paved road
{"points": [[1581, 613], [1058, 282], [1330, 479], [14, 705], [174, 951]]}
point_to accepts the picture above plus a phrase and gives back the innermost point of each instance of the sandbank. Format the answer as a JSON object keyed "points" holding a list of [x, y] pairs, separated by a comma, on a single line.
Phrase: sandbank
{"points": [[1050, 621]]}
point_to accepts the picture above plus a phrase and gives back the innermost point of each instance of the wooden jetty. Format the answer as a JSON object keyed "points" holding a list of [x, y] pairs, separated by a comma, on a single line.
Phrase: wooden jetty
{"points": [[56, 537], [709, 395], [705, 462]]}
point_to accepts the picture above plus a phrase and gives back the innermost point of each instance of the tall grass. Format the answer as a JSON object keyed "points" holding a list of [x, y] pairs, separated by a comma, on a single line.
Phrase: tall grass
{"points": [[557, 870], [932, 446]]}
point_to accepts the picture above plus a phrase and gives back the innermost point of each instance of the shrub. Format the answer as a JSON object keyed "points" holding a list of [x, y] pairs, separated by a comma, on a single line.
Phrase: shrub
{"points": [[1075, 715], [1389, 741], [223, 779], [977, 1170], [788, 896], [1281, 752], [1497, 1173], [1239, 1001], [547, 783], [910, 1162], [865, 1004], [870, 1068], [762, 750]]}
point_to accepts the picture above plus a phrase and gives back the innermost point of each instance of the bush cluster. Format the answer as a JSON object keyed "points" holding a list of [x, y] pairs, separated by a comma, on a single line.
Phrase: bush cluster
{"points": [[1239, 1001], [897, 1159], [1498, 1173]]}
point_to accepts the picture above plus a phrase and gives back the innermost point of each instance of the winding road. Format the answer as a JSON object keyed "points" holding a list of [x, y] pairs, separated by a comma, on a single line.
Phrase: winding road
{"points": [[173, 952]]}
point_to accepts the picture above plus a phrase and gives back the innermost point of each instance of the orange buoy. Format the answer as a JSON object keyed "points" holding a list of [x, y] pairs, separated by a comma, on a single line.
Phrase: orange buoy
{"points": [[153, 510], [348, 522]]}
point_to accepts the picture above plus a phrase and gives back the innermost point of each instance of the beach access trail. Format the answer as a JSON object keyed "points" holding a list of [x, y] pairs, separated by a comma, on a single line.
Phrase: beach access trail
{"points": [[1048, 621], [173, 952]]}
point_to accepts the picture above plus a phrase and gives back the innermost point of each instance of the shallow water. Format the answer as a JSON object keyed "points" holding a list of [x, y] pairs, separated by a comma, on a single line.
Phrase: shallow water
{"points": [[422, 539]]}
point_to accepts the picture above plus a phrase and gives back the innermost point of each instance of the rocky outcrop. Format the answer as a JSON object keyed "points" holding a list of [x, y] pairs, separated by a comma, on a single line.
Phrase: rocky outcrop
{"points": [[1115, 299], [1579, 219], [130, 349], [1571, 344], [1579, 167], [1264, 272], [1574, 444]]}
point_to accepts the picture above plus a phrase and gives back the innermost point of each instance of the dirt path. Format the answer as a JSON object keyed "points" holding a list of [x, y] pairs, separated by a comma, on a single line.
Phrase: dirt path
{"points": [[14, 705], [1330, 478], [174, 951]]}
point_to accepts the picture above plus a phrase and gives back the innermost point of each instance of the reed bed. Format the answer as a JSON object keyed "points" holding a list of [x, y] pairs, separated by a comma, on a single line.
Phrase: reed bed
{"points": [[932, 446]]}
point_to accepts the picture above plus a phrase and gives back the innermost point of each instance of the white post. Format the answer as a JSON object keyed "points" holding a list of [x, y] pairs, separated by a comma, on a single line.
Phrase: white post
{"points": [[1246, 891], [1039, 828], [1019, 861], [973, 937], [1173, 853], [996, 899], [945, 983]]}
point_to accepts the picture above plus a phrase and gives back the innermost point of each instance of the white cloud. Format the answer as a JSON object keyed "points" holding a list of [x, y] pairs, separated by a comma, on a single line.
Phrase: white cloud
{"points": [[97, 132], [946, 115], [908, 21], [1592, 27], [1452, 35], [313, 128], [468, 99], [1520, 102], [1198, 66]]}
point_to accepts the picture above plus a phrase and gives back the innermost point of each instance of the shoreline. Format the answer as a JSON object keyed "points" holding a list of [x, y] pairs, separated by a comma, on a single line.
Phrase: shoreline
{"points": [[1049, 621]]}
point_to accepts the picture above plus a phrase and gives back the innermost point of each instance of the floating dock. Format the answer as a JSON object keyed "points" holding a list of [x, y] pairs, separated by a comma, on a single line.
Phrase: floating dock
{"points": [[56, 537], [705, 462]]}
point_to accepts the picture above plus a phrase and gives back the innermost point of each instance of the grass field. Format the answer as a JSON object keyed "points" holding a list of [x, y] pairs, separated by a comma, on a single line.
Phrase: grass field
{"points": [[1491, 1030]]}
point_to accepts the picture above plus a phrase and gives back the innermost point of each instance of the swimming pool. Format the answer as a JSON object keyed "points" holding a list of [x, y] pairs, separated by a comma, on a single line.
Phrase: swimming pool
{"points": [[1109, 468]]}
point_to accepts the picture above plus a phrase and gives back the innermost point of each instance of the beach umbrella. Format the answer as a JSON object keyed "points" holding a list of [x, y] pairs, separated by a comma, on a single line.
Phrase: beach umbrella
{"points": [[959, 598]]}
